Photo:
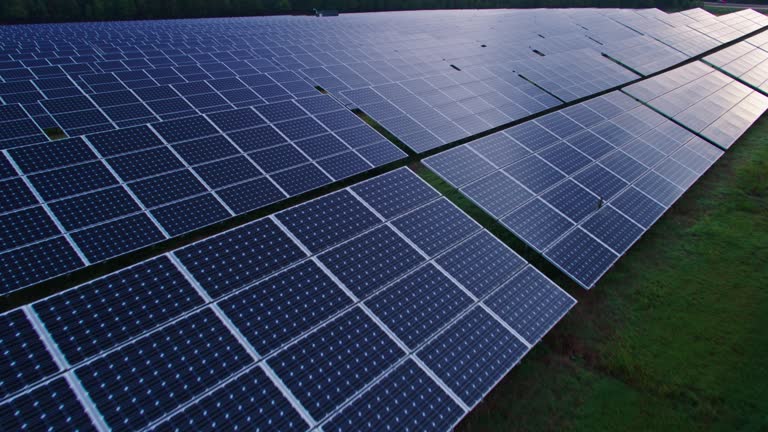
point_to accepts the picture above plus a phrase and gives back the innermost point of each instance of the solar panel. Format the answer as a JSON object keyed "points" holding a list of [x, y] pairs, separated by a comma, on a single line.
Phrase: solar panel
{"points": [[596, 192], [205, 307]]}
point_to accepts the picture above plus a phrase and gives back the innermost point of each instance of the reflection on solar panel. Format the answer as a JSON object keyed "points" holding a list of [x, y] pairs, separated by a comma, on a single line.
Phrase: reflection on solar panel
{"points": [[292, 321], [584, 199], [743, 61], [113, 192], [703, 100]]}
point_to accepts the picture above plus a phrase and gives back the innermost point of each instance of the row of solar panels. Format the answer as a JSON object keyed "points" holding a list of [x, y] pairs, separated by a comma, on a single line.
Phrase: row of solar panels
{"points": [[463, 104], [583, 184], [79, 201], [84, 202], [381, 306]]}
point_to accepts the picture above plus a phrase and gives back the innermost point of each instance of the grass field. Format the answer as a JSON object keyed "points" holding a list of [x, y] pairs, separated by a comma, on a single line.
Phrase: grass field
{"points": [[674, 337]]}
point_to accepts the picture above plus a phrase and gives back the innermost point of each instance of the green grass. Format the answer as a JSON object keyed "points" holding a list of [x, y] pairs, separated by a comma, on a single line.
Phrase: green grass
{"points": [[674, 337]]}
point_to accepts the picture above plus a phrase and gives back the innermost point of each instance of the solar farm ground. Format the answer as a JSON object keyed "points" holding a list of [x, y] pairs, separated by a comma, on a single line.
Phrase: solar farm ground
{"points": [[673, 337]]}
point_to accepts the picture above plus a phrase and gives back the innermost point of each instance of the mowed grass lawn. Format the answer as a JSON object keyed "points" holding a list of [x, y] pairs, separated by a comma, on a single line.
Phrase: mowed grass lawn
{"points": [[675, 337]]}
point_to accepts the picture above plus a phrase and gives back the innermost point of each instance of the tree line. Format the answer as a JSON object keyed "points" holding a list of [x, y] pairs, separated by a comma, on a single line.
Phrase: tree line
{"points": [[31, 11]]}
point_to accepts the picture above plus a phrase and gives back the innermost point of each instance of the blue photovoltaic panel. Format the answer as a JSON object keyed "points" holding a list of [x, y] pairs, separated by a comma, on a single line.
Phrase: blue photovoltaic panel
{"points": [[472, 355], [535, 174], [205, 149], [395, 193], [184, 129], [228, 121], [124, 141], [321, 146], [590, 144], [537, 224], [436, 226], [638, 206], [6, 169], [280, 111], [343, 165], [25, 226], [418, 305], [257, 138], [600, 181], [153, 375], [117, 237], [249, 402], [352, 342], [190, 214], [275, 311], [530, 304], [380, 153], [499, 149], [251, 195], [498, 194], [36, 262], [102, 314], [14, 194], [565, 158], [52, 406], [24, 358], [612, 228], [52, 155], [165, 188], [659, 188], [406, 399], [300, 179], [582, 257], [227, 171], [278, 158], [72, 180], [95, 207], [239, 257], [572, 200], [460, 166], [368, 262], [360, 136], [300, 128], [143, 164], [481, 263], [558, 124], [329, 220]]}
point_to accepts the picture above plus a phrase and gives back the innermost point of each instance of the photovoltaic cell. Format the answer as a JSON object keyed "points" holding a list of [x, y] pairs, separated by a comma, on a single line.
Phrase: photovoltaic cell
{"points": [[236, 258], [149, 377], [327, 221], [582, 257], [37, 262], [107, 312], [24, 358], [368, 262], [350, 342], [249, 402], [530, 304], [473, 354], [436, 226], [395, 193], [419, 304], [277, 310], [52, 406], [414, 402], [117, 237]]}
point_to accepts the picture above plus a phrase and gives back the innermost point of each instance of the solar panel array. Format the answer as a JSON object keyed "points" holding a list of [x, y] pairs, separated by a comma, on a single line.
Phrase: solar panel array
{"points": [[93, 77], [381, 306], [82, 200], [703, 100], [583, 184]]}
